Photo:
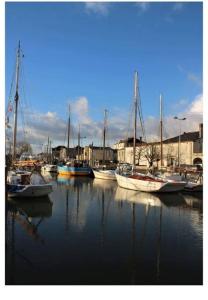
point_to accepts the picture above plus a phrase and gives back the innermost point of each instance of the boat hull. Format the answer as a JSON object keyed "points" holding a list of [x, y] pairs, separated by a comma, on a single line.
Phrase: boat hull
{"points": [[149, 186], [104, 174], [19, 191], [193, 187], [74, 171], [49, 168]]}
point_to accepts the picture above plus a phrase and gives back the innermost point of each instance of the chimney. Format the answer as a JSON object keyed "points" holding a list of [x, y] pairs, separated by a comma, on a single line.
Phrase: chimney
{"points": [[201, 130]]}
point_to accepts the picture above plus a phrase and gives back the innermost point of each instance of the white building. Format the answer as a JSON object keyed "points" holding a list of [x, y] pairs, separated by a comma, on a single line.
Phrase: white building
{"points": [[191, 150]]}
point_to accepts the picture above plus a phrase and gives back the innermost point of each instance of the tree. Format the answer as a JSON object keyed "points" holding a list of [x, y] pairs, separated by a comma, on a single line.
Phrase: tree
{"points": [[140, 151], [24, 147], [152, 154]]}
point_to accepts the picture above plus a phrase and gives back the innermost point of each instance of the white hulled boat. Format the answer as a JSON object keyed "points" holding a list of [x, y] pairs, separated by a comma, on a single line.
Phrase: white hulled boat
{"points": [[145, 183], [27, 185], [104, 174], [22, 183], [49, 168], [140, 182]]}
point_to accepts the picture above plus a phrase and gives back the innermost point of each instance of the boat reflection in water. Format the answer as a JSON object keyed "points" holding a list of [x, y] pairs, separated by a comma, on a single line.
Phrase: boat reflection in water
{"points": [[72, 181], [26, 215], [76, 208], [137, 197], [99, 233], [48, 176], [32, 208], [194, 201]]}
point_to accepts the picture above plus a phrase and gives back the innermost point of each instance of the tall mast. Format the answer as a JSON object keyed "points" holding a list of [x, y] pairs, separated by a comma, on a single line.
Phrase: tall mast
{"points": [[78, 141], [104, 133], [48, 150], [16, 99], [68, 133], [135, 114], [161, 131]]}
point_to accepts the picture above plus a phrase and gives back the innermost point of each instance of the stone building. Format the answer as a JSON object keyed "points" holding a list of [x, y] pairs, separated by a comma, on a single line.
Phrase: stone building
{"points": [[95, 154], [125, 149], [60, 152], [191, 150]]}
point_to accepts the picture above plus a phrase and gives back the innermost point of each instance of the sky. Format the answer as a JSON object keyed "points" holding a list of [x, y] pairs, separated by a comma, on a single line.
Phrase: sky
{"points": [[86, 53]]}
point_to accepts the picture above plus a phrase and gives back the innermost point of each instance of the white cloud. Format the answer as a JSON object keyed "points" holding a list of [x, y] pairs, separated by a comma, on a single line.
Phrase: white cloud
{"points": [[196, 107], [143, 6], [178, 6], [80, 108], [42, 125], [180, 104], [97, 8], [193, 115]]}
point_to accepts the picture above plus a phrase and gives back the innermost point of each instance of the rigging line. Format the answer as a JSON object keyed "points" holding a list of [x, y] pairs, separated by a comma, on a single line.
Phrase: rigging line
{"points": [[129, 120], [23, 122], [141, 116], [65, 136], [10, 101], [23, 85], [72, 134], [28, 106], [21, 104]]}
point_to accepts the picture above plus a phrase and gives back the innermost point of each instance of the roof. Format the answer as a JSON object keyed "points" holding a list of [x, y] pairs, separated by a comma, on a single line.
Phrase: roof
{"points": [[130, 140], [185, 137], [58, 148], [100, 148]]}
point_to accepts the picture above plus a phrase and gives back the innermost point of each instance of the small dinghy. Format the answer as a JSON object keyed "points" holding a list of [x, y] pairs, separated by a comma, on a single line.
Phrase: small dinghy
{"points": [[27, 184], [104, 174]]}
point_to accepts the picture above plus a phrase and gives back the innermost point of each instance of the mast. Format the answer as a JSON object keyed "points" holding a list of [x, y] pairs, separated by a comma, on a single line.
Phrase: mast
{"points": [[104, 133], [161, 132], [135, 114], [78, 141], [68, 134], [16, 99], [48, 150]]}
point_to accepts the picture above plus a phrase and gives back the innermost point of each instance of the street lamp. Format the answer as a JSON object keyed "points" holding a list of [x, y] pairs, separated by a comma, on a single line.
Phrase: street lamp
{"points": [[179, 140]]}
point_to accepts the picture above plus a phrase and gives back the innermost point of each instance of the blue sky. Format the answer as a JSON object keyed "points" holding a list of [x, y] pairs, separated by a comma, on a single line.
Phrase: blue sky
{"points": [[89, 51]]}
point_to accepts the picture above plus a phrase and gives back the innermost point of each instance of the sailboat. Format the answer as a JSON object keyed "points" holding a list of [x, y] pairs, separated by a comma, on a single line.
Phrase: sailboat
{"points": [[74, 167], [23, 183], [141, 182], [190, 186], [49, 167], [102, 173]]}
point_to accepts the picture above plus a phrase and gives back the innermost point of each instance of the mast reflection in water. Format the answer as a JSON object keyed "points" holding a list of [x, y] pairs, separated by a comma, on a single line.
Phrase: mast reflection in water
{"points": [[91, 231]]}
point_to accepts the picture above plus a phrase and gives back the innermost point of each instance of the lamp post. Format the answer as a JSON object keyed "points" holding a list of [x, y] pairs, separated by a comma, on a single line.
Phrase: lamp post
{"points": [[179, 140]]}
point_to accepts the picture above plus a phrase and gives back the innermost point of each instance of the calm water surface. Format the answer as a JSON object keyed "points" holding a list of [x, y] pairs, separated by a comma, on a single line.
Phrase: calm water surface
{"points": [[90, 231]]}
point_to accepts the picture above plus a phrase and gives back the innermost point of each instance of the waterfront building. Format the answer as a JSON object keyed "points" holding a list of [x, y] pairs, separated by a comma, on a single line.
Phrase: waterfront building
{"points": [[125, 149], [60, 152], [95, 154], [191, 150]]}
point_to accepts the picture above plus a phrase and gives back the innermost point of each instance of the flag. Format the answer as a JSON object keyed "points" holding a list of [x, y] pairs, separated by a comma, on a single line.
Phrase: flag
{"points": [[10, 107]]}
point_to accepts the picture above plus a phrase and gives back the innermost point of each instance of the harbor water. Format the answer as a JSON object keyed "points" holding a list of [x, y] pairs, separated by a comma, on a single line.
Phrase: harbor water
{"points": [[90, 231]]}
